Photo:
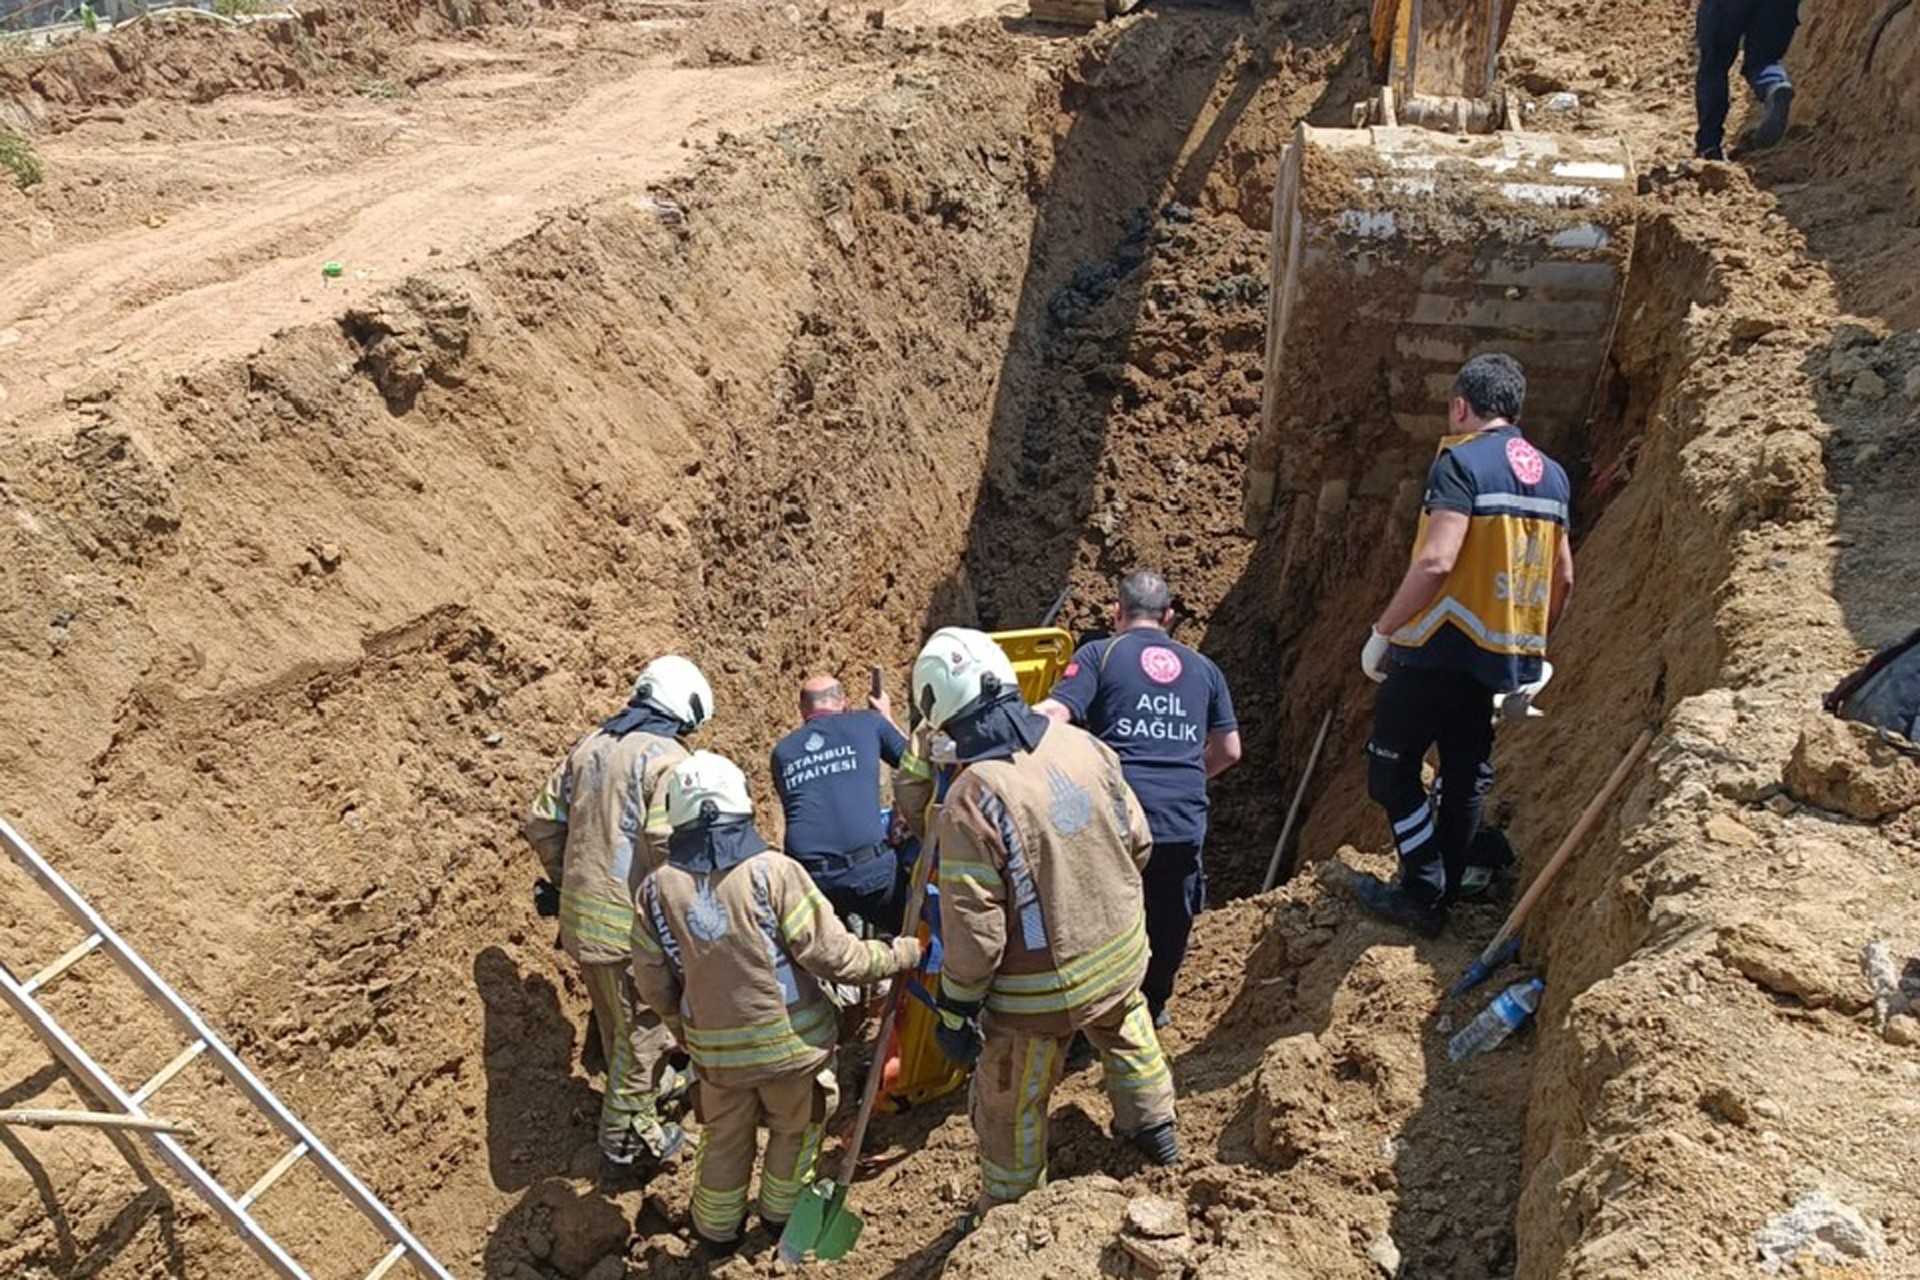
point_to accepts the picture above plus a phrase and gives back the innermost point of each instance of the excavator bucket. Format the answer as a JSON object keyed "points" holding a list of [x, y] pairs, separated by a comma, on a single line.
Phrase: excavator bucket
{"points": [[1398, 253]]}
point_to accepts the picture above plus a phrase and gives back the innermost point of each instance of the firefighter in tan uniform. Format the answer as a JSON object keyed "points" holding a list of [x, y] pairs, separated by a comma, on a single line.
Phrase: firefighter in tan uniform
{"points": [[731, 943], [600, 826], [1041, 843]]}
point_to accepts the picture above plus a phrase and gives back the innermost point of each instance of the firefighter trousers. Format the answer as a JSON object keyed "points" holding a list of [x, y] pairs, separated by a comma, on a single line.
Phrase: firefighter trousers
{"points": [[1014, 1082], [794, 1110], [635, 1044]]}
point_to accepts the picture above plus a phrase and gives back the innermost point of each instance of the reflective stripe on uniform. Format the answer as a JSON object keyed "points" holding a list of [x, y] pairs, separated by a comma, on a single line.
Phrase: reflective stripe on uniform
{"points": [[770, 930], [1143, 1066], [1519, 504], [717, 1215], [1448, 609], [585, 917], [1026, 892], [1072, 985], [778, 1195], [657, 913], [802, 1034], [914, 767]]}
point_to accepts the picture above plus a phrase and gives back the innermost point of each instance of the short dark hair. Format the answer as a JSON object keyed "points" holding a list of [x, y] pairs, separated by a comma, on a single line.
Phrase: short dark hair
{"points": [[1493, 386], [1144, 594]]}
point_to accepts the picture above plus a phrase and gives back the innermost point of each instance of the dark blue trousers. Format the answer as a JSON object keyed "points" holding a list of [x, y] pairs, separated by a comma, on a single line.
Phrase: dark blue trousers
{"points": [[1176, 887], [1418, 708], [1723, 29], [873, 890]]}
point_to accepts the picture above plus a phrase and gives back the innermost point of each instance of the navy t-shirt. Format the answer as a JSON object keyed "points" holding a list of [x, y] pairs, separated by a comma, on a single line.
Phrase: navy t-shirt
{"points": [[1154, 701], [827, 773]]}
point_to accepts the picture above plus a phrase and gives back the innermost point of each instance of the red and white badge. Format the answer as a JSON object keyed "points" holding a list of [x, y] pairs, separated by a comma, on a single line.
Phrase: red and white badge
{"points": [[1528, 466], [1073, 669], [1161, 665]]}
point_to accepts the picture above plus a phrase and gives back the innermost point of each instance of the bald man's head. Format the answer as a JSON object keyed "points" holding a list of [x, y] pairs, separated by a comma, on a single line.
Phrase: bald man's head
{"points": [[820, 694]]}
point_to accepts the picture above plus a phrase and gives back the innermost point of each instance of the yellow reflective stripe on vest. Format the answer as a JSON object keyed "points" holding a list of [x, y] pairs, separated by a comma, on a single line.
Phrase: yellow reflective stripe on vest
{"points": [[914, 767], [958, 994], [1500, 592], [1071, 985]]}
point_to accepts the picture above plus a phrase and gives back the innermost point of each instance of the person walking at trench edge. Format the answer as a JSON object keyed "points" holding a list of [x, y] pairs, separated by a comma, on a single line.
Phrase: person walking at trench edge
{"points": [[1759, 32]]}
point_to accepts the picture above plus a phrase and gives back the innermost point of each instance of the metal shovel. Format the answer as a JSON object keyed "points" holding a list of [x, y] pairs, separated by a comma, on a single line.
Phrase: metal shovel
{"points": [[822, 1226]]}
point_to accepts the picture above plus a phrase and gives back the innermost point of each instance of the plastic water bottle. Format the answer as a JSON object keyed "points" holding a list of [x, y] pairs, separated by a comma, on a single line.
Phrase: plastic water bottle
{"points": [[1497, 1021]]}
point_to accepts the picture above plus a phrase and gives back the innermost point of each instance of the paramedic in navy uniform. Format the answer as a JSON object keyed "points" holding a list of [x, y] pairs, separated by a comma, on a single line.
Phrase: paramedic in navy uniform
{"points": [[1166, 712]]}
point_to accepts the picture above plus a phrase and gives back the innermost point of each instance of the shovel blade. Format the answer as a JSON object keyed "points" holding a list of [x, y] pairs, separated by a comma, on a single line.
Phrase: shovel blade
{"points": [[840, 1234], [811, 1217]]}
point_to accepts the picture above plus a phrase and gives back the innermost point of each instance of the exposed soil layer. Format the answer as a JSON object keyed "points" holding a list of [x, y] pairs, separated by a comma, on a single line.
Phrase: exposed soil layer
{"points": [[778, 336]]}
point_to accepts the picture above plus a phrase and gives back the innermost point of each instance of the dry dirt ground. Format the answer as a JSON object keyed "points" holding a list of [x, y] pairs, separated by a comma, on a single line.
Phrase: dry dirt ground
{"points": [[778, 336]]}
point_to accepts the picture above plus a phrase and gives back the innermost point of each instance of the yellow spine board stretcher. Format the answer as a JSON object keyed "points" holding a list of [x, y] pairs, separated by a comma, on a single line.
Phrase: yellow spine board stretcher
{"points": [[916, 1071]]}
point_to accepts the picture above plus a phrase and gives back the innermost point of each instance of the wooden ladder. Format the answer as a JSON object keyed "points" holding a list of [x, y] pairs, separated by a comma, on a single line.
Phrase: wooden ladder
{"points": [[201, 1042]]}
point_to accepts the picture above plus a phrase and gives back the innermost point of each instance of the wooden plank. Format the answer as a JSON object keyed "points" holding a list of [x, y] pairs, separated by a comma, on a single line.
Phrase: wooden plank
{"points": [[169, 1071], [64, 963]]}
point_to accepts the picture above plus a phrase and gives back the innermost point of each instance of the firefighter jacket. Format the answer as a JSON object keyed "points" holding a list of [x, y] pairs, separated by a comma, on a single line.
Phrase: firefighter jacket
{"points": [[913, 781], [599, 826], [730, 944], [1041, 911]]}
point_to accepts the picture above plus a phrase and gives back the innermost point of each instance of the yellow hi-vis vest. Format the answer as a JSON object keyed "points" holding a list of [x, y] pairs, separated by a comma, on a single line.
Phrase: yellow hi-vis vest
{"points": [[1490, 618]]}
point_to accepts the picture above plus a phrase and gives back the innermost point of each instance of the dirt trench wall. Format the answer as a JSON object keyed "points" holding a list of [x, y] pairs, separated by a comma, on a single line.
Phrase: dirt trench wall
{"points": [[1702, 952], [1859, 115], [289, 643]]}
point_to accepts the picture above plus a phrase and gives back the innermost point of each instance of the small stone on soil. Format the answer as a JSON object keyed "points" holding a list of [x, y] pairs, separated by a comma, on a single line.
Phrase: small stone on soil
{"points": [[1155, 1217]]}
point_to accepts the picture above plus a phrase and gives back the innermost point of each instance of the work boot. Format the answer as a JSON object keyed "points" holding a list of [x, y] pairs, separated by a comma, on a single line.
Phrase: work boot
{"points": [[710, 1253], [644, 1154], [1391, 903], [1159, 1144], [1773, 120]]}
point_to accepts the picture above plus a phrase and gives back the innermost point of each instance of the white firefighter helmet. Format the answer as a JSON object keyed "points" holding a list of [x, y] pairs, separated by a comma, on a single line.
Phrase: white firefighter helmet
{"points": [[674, 685], [702, 778], [952, 672]]}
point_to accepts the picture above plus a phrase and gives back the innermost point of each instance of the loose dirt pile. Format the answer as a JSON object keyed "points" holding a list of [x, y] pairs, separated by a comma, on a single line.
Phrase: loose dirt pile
{"points": [[307, 585]]}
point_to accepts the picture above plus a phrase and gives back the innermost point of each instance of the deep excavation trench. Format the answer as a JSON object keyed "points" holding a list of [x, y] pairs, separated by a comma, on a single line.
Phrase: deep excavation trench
{"points": [[990, 329]]}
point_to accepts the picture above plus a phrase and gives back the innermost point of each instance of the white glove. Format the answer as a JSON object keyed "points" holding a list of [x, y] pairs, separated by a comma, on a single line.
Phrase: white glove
{"points": [[1518, 705], [940, 749], [1373, 657]]}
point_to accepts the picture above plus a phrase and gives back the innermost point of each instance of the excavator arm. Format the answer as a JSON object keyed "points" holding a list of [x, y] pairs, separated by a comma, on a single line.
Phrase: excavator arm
{"points": [[1443, 48]]}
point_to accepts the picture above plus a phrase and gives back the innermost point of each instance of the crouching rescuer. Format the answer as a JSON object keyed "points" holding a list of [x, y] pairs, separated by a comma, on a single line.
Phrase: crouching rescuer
{"points": [[1041, 843], [599, 826], [731, 942], [1492, 569]]}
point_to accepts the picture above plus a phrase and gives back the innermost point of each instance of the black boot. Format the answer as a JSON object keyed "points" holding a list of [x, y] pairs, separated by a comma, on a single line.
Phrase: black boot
{"points": [[1158, 1144], [1773, 120], [1391, 903]]}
